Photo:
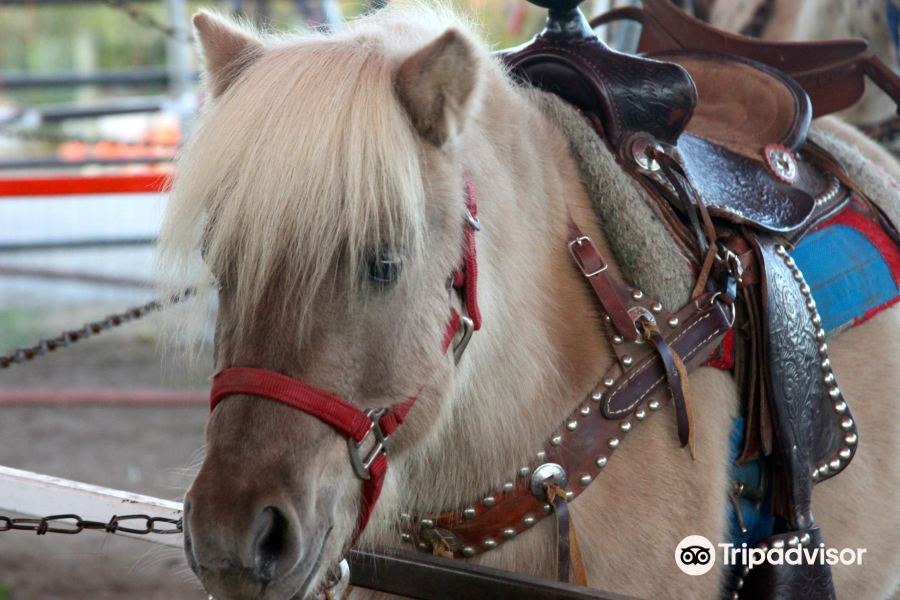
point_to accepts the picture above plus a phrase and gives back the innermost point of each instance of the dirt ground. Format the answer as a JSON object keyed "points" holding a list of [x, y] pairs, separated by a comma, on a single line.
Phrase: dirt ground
{"points": [[144, 449]]}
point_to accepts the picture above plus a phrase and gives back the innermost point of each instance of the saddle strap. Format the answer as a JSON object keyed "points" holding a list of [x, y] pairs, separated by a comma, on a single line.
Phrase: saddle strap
{"points": [[568, 552], [810, 579]]}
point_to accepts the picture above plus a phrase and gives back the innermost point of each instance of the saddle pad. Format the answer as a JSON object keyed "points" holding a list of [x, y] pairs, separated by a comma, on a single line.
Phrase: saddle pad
{"points": [[853, 268]]}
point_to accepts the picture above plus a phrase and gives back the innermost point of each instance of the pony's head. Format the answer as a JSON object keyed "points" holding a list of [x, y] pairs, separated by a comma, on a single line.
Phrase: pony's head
{"points": [[322, 197]]}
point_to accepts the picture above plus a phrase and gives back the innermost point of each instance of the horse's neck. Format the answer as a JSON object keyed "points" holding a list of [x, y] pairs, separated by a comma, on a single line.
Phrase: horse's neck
{"points": [[540, 349]]}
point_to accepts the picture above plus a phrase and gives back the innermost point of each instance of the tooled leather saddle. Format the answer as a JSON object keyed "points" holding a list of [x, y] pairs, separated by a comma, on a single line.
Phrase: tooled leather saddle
{"points": [[713, 125]]}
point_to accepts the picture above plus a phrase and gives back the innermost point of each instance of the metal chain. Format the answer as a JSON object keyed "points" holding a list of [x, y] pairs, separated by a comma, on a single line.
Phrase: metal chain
{"points": [[87, 330], [72, 524], [142, 17]]}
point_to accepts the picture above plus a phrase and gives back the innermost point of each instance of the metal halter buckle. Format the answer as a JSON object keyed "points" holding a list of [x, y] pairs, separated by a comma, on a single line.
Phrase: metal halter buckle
{"points": [[362, 465], [468, 328], [579, 241]]}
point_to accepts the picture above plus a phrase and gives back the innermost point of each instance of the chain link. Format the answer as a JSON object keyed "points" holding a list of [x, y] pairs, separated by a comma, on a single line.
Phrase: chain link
{"points": [[71, 336], [72, 524], [142, 17]]}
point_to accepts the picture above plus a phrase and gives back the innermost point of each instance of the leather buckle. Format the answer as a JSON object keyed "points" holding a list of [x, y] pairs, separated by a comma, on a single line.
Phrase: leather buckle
{"points": [[362, 465], [582, 241]]}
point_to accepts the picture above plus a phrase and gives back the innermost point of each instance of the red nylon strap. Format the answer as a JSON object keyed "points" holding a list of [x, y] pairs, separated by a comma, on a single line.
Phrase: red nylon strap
{"points": [[328, 408], [466, 278]]}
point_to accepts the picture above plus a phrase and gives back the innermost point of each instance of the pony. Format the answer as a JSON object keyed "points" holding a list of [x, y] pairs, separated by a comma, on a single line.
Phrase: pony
{"points": [[322, 200]]}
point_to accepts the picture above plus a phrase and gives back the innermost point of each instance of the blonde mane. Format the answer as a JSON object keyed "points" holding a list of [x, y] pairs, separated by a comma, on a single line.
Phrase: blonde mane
{"points": [[302, 166]]}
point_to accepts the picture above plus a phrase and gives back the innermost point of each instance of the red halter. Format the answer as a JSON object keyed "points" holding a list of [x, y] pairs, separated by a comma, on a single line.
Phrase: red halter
{"points": [[354, 424]]}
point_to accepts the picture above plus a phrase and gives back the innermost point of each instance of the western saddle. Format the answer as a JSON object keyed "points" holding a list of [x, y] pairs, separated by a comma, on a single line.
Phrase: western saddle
{"points": [[714, 126]]}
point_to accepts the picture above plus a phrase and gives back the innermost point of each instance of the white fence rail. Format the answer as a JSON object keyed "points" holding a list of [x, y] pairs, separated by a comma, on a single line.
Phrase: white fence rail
{"points": [[33, 494]]}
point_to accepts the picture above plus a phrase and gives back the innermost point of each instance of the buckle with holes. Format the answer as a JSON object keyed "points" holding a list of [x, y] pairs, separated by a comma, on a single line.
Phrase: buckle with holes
{"points": [[580, 241], [360, 464]]}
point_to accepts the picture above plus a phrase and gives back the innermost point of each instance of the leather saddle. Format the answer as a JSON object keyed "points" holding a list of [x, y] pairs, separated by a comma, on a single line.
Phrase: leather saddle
{"points": [[714, 126]]}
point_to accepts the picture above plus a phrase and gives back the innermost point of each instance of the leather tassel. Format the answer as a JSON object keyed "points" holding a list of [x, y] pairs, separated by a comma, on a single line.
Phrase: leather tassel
{"points": [[677, 378]]}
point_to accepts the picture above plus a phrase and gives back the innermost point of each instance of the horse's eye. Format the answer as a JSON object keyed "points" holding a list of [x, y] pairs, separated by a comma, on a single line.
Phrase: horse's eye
{"points": [[384, 267]]}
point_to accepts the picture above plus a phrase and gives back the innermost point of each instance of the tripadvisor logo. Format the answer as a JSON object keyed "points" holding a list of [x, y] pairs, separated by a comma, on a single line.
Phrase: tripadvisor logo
{"points": [[696, 555]]}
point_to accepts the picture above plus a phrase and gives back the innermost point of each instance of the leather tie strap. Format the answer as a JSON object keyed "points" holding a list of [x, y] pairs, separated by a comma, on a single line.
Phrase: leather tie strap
{"points": [[596, 271], [677, 379]]}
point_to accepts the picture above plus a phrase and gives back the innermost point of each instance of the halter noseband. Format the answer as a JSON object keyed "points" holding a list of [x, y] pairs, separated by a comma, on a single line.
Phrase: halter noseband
{"points": [[353, 423]]}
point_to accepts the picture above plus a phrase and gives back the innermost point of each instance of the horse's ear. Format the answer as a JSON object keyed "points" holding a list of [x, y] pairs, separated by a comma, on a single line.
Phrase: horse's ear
{"points": [[436, 86], [227, 49]]}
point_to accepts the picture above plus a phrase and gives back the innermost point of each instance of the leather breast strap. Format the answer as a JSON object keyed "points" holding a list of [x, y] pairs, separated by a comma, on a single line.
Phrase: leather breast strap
{"points": [[581, 446]]}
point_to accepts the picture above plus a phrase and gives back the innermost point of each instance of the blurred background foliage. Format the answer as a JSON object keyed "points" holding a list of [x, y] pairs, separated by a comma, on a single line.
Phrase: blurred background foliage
{"points": [[98, 36]]}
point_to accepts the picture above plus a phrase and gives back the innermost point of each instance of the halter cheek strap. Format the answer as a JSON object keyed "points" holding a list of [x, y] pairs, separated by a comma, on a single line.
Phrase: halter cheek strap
{"points": [[357, 425]]}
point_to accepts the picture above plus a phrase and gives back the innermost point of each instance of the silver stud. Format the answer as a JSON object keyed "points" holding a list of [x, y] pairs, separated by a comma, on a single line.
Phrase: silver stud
{"points": [[778, 544], [570, 495], [547, 509], [426, 523], [585, 479], [835, 393], [805, 539], [793, 540], [779, 249], [405, 519], [509, 533], [627, 360], [815, 475], [823, 349], [657, 307], [625, 426], [597, 396], [618, 339], [829, 378], [423, 546], [572, 425], [509, 486], [405, 538], [789, 261], [607, 318], [811, 304], [608, 381], [825, 364], [835, 464], [613, 443], [823, 469], [804, 289], [673, 322], [541, 456], [798, 276], [640, 415], [468, 551], [851, 438], [654, 405], [840, 407], [524, 472], [816, 319], [746, 571], [469, 513], [528, 521], [820, 334], [601, 462], [489, 501], [584, 410], [846, 423], [637, 294], [556, 440], [845, 453], [489, 544]]}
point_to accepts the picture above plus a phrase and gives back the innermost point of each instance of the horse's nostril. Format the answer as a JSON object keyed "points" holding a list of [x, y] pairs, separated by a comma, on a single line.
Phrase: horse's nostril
{"points": [[271, 531]]}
